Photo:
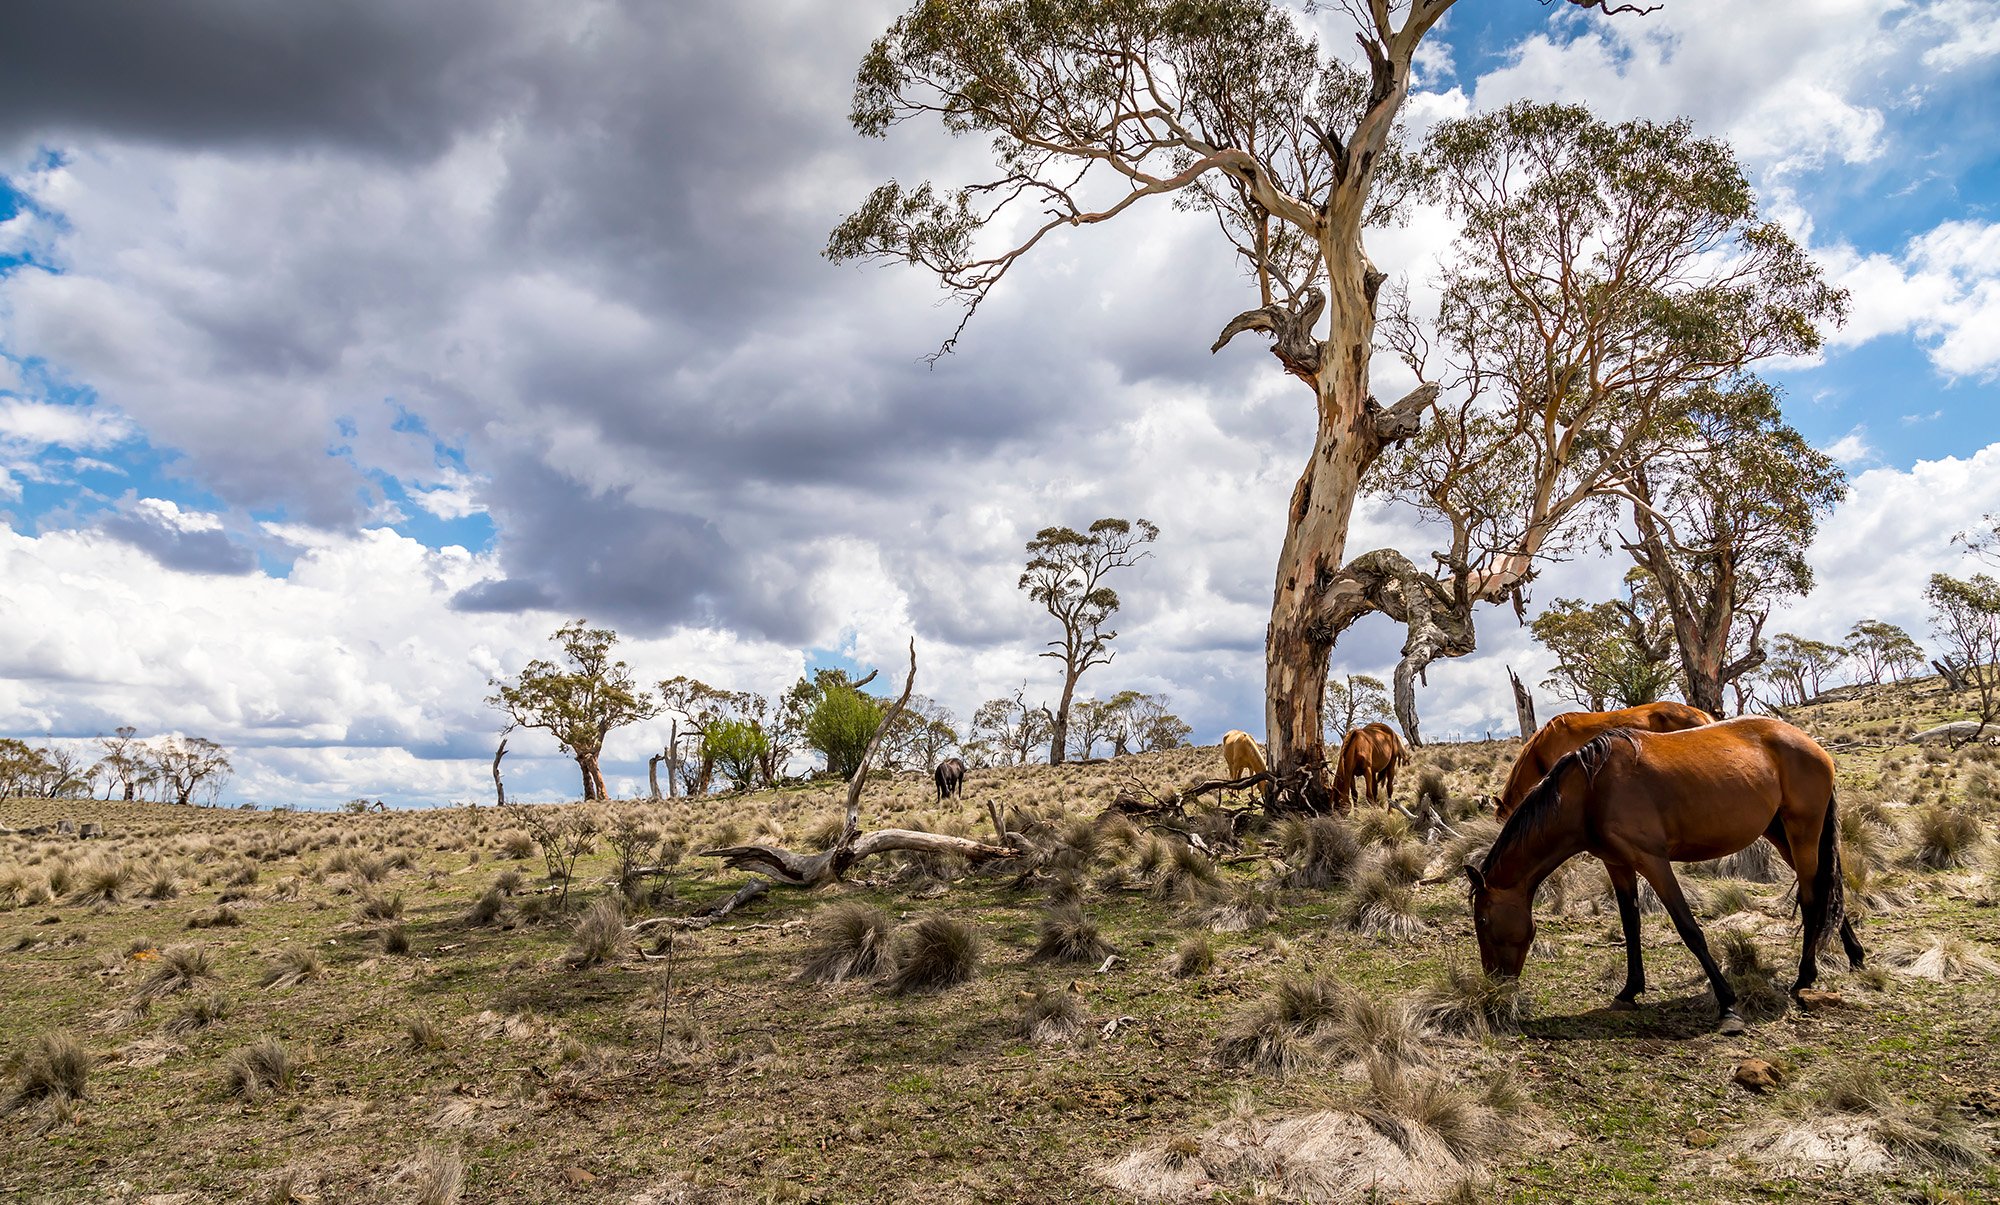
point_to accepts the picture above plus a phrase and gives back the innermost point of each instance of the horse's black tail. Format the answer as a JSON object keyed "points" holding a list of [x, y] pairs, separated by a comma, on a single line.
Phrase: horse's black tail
{"points": [[1829, 884]]}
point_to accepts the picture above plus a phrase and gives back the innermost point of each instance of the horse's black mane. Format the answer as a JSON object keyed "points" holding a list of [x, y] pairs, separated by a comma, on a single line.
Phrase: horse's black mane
{"points": [[1535, 810]]}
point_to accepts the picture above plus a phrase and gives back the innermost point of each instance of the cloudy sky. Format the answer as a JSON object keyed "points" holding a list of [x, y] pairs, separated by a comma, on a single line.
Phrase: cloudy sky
{"points": [[347, 350]]}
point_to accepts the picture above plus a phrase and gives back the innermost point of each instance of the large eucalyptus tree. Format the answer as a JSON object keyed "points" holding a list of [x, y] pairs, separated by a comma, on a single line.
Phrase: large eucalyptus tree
{"points": [[1226, 107]]}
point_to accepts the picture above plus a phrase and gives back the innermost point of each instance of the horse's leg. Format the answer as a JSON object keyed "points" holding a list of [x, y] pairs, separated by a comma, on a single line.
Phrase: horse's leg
{"points": [[1389, 789], [1804, 857], [1626, 884], [1660, 873]]}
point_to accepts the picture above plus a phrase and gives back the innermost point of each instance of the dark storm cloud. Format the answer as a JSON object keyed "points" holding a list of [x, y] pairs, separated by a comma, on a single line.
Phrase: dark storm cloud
{"points": [[202, 550], [381, 75], [677, 166]]}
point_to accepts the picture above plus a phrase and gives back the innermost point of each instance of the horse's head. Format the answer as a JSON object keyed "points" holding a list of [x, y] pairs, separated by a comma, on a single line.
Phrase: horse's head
{"points": [[1504, 919]]}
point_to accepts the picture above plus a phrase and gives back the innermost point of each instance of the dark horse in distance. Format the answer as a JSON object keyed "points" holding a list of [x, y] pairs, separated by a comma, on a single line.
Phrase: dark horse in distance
{"points": [[950, 778], [1641, 801]]}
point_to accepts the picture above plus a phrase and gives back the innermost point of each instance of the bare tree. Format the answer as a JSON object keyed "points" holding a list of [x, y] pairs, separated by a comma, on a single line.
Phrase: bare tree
{"points": [[1965, 614], [1011, 729], [1227, 107], [188, 764], [124, 760], [1354, 700]]}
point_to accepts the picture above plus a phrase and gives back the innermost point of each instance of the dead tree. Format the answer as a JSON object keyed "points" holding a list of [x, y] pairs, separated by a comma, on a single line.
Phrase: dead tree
{"points": [[1524, 704], [788, 869], [499, 790]]}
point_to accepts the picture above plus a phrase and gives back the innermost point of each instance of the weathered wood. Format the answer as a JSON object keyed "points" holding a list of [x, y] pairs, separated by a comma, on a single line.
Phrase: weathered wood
{"points": [[1524, 705], [499, 791]]}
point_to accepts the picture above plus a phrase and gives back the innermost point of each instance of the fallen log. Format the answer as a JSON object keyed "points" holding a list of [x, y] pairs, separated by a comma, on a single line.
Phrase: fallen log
{"points": [[788, 869]]}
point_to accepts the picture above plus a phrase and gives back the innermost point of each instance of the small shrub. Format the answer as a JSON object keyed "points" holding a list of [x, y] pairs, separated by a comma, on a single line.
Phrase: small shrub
{"points": [[1943, 837], [1048, 1014], [1068, 936], [1470, 1003], [935, 953], [1319, 852], [54, 1067], [599, 934], [200, 1012], [293, 965], [1195, 956], [263, 1066]]}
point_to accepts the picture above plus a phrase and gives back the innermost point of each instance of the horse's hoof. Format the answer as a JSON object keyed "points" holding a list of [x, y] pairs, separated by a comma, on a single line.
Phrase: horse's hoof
{"points": [[1731, 1024], [1624, 1005]]}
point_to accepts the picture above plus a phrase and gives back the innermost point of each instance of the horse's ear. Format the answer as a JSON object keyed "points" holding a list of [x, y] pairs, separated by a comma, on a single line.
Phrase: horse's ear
{"points": [[1478, 880]]}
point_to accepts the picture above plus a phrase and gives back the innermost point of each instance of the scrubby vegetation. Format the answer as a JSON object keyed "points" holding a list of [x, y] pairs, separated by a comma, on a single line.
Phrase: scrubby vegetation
{"points": [[393, 1018]]}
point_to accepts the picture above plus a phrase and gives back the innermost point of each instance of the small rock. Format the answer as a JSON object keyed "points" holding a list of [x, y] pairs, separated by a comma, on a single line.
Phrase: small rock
{"points": [[578, 1176], [1816, 1001], [1701, 1139], [1758, 1075]]}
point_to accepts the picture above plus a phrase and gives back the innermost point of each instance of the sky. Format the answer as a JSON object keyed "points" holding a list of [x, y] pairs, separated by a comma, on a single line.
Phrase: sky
{"points": [[346, 351]]}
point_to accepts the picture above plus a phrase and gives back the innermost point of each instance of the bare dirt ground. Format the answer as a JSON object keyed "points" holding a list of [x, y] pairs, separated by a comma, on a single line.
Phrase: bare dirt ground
{"points": [[441, 1034]]}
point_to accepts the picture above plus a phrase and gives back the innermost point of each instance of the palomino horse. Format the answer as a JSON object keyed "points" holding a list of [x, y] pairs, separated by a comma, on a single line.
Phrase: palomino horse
{"points": [[1241, 754], [1642, 801], [1567, 733], [1371, 752]]}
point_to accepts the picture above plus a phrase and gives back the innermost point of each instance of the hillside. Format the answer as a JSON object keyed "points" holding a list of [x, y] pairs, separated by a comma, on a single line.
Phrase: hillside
{"points": [[391, 1007]]}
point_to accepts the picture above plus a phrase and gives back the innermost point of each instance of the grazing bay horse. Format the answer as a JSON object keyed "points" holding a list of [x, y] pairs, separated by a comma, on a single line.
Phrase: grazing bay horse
{"points": [[1641, 801], [1241, 754], [1567, 733], [1371, 752], [950, 778]]}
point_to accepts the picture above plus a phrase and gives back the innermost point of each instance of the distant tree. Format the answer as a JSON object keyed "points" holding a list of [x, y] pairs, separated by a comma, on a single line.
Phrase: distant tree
{"points": [[738, 747], [1144, 723], [124, 760], [65, 772], [1965, 614], [1353, 701], [1009, 731], [840, 724], [1227, 108], [701, 707], [22, 768], [1724, 518], [190, 764], [1798, 667], [923, 733], [1616, 653], [1093, 722], [1066, 574], [578, 700], [1880, 648]]}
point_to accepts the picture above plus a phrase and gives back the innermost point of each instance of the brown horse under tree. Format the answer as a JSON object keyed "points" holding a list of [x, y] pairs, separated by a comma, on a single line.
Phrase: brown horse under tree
{"points": [[1642, 801], [1371, 752], [1568, 732]]}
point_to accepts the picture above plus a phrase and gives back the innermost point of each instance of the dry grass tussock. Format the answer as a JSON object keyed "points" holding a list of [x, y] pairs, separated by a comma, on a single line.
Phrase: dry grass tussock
{"points": [[53, 1067], [599, 934], [292, 966], [1467, 1002], [850, 941], [262, 1067], [933, 954], [1382, 904], [1846, 1121], [1308, 1020], [1406, 1136], [1945, 960], [433, 1176], [1319, 852], [1048, 1014], [1944, 837], [1068, 936]]}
